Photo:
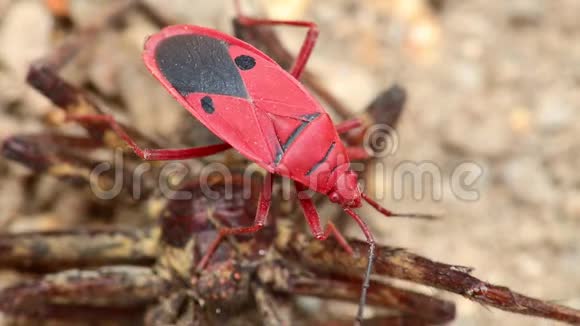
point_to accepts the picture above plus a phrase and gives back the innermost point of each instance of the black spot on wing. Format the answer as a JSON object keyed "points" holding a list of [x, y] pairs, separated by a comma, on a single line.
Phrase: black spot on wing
{"points": [[199, 64], [207, 104], [317, 165], [245, 62]]}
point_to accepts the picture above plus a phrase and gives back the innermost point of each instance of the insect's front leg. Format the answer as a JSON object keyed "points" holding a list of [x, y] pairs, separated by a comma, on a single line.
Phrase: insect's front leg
{"points": [[313, 220], [307, 46], [266, 39], [386, 108]]}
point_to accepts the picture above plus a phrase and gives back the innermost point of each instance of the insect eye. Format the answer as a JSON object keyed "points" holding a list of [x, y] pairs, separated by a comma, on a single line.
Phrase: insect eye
{"points": [[245, 62]]}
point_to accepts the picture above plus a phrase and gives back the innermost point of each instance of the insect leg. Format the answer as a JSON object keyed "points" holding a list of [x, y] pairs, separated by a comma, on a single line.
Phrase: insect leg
{"points": [[314, 220], [307, 46], [145, 153], [259, 222], [348, 125], [357, 153]]}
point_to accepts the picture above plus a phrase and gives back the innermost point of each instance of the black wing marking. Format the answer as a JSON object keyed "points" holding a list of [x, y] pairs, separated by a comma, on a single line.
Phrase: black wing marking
{"points": [[317, 165], [199, 64], [284, 145]]}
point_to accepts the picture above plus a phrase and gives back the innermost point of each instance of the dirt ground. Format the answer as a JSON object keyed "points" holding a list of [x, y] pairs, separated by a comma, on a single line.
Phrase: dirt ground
{"points": [[492, 86]]}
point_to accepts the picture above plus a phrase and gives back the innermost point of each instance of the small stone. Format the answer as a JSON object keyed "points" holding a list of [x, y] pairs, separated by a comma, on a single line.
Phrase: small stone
{"points": [[205, 13], [489, 135], [158, 112], [351, 84], [26, 28], [554, 113], [33, 223], [284, 9], [85, 13], [529, 265], [3, 8], [423, 39], [525, 12], [528, 180], [24, 35], [472, 49], [105, 65], [468, 75], [309, 304], [59, 8], [572, 205], [520, 120], [10, 91]]}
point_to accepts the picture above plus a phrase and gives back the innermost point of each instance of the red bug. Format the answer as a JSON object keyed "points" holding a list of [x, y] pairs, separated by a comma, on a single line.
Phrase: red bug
{"points": [[264, 112]]}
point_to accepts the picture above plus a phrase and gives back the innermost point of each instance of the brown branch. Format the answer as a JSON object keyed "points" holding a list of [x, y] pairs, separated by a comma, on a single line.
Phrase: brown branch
{"points": [[328, 257], [43, 75], [49, 251], [427, 308]]}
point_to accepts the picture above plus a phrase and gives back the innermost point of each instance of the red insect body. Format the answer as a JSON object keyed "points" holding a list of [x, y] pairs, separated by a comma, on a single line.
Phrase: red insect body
{"points": [[275, 122], [262, 111]]}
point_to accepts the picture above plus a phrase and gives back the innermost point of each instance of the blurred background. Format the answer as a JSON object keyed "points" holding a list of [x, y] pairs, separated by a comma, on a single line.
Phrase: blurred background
{"points": [[495, 83]]}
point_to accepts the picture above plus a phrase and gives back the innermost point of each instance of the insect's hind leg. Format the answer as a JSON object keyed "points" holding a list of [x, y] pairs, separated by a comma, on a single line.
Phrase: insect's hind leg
{"points": [[307, 45], [146, 153], [348, 125], [259, 222], [355, 153], [313, 220]]}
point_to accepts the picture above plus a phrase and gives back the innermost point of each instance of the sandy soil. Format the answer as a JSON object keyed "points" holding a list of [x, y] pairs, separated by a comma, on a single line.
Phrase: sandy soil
{"points": [[492, 85]]}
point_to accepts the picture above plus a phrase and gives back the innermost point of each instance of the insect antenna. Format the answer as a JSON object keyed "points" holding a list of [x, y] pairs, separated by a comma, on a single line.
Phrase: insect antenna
{"points": [[371, 241], [388, 213], [371, 258]]}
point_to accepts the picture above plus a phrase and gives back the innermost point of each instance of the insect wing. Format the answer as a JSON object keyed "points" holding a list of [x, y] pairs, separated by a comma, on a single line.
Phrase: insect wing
{"points": [[235, 90]]}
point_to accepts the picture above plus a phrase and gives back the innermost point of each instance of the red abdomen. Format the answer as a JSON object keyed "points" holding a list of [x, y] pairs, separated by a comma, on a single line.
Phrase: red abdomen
{"points": [[316, 156]]}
